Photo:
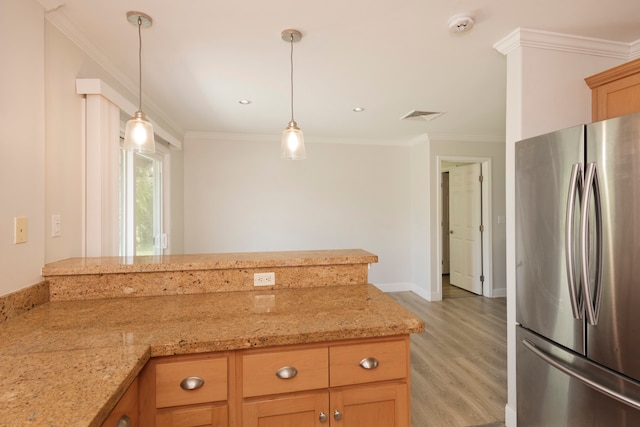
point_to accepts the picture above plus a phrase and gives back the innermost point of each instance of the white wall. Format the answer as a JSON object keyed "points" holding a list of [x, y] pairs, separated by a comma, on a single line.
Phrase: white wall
{"points": [[241, 197], [420, 218], [545, 92], [22, 141]]}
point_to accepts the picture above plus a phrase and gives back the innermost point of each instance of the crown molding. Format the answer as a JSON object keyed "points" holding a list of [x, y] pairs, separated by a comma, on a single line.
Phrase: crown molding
{"points": [[523, 37], [264, 138]]}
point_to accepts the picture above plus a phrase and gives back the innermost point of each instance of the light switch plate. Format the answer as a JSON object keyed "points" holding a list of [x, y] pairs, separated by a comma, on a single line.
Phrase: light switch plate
{"points": [[56, 225]]}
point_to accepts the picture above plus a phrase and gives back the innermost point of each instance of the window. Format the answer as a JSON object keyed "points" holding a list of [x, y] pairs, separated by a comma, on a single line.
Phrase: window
{"points": [[141, 189]]}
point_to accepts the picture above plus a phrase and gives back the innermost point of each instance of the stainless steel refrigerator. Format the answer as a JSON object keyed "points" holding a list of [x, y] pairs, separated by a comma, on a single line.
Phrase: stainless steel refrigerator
{"points": [[577, 197]]}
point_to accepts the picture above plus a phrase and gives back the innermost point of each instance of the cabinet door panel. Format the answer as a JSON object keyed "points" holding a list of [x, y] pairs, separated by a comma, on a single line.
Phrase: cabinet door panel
{"points": [[214, 416], [291, 411], [386, 405]]}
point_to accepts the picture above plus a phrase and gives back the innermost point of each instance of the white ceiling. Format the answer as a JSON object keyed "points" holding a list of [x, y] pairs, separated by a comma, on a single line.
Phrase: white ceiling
{"points": [[201, 57]]}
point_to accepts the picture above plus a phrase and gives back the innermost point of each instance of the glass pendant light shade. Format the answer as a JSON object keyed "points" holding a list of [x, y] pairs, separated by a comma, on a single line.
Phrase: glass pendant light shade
{"points": [[292, 146], [138, 135]]}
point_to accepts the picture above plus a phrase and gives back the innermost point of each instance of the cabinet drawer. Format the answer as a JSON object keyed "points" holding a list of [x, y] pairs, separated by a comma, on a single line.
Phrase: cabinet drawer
{"points": [[347, 362], [170, 375], [259, 371], [215, 416]]}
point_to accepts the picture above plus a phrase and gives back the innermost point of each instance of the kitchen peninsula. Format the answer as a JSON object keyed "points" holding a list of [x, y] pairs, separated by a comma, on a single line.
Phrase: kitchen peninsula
{"points": [[114, 322]]}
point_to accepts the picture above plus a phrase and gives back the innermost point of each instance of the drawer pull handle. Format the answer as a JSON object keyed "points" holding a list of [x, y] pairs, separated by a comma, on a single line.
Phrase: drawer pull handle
{"points": [[124, 421], [191, 383], [323, 417], [286, 372], [369, 363]]}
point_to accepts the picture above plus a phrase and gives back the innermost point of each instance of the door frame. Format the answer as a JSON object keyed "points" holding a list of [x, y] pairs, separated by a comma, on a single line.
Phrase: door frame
{"points": [[487, 238]]}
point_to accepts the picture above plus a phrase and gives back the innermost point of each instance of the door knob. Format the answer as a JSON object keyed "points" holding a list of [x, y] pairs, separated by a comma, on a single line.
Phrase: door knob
{"points": [[337, 415], [450, 231], [323, 417]]}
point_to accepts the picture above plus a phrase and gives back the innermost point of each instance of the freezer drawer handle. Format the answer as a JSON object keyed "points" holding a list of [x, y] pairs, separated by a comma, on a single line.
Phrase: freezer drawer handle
{"points": [[591, 302], [561, 366], [575, 187]]}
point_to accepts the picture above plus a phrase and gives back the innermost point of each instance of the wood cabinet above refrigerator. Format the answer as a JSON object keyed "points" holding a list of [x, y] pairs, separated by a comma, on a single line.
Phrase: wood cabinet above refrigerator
{"points": [[615, 92]]}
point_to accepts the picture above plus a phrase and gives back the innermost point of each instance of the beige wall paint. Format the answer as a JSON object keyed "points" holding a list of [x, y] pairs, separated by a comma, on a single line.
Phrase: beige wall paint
{"points": [[22, 142], [240, 196], [41, 129], [65, 62]]}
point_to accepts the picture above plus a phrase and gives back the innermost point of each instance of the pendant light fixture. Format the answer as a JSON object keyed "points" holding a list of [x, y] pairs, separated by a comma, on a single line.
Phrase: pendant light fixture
{"points": [[292, 145], [138, 134]]}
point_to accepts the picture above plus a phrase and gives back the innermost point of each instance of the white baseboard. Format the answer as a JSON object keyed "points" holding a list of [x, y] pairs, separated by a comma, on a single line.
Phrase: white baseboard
{"points": [[423, 293], [404, 287], [510, 416], [394, 287]]}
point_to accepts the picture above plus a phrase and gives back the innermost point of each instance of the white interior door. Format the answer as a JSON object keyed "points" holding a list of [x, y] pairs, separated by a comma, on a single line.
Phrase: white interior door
{"points": [[465, 219]]}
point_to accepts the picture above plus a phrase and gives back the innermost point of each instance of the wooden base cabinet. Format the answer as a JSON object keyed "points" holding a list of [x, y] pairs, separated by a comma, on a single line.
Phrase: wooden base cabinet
{"points": [[126, 411], [205, 416], [383, 406], [187, 391], [307, 410], [351, 383], [360, 383]]}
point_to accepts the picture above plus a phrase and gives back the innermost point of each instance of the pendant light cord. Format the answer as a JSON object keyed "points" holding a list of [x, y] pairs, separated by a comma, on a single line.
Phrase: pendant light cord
{"points": [[291, 41], [140, 63]]}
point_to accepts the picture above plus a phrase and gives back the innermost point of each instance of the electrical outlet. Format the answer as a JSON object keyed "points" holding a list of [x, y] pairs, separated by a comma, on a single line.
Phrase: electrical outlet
{"points": [[264, 279], [20, 229]]}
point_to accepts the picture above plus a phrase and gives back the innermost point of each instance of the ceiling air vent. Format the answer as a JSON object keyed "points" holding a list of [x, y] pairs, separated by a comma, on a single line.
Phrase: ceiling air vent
{"points": [[421, 115]]}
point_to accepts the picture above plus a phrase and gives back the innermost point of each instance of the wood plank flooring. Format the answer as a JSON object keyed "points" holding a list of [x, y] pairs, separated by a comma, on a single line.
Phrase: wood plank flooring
{"points": [[458, 365]]}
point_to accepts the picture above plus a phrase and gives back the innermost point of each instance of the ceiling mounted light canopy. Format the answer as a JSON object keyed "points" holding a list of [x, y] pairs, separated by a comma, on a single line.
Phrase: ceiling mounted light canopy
{"points": [[292, 145], [138, 134]]}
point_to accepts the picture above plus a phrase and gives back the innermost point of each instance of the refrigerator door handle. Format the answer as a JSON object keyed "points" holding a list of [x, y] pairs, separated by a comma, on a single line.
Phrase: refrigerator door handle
{"points": [[563, 367], [575, 188], [591, 302]]}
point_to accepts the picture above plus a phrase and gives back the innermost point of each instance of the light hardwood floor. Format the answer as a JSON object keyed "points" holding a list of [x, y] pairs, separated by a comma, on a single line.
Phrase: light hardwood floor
{"points": [[458, 365]]}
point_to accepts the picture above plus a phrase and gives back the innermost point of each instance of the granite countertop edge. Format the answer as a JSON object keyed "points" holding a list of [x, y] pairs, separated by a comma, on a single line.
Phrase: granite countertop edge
{"points": [[164, 263], [96, 353]]}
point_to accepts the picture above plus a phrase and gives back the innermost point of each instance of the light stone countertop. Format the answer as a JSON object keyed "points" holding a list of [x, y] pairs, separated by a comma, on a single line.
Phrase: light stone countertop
{"points": [[67, 363], [187, 262]]}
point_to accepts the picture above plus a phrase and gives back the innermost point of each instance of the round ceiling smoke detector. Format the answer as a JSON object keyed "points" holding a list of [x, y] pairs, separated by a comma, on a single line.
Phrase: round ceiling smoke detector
{"points": [[460, 23]]}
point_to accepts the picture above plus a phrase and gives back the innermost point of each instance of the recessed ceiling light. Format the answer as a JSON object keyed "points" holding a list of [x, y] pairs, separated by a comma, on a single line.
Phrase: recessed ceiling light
{"points": [[245, 101], [358, 109]]}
